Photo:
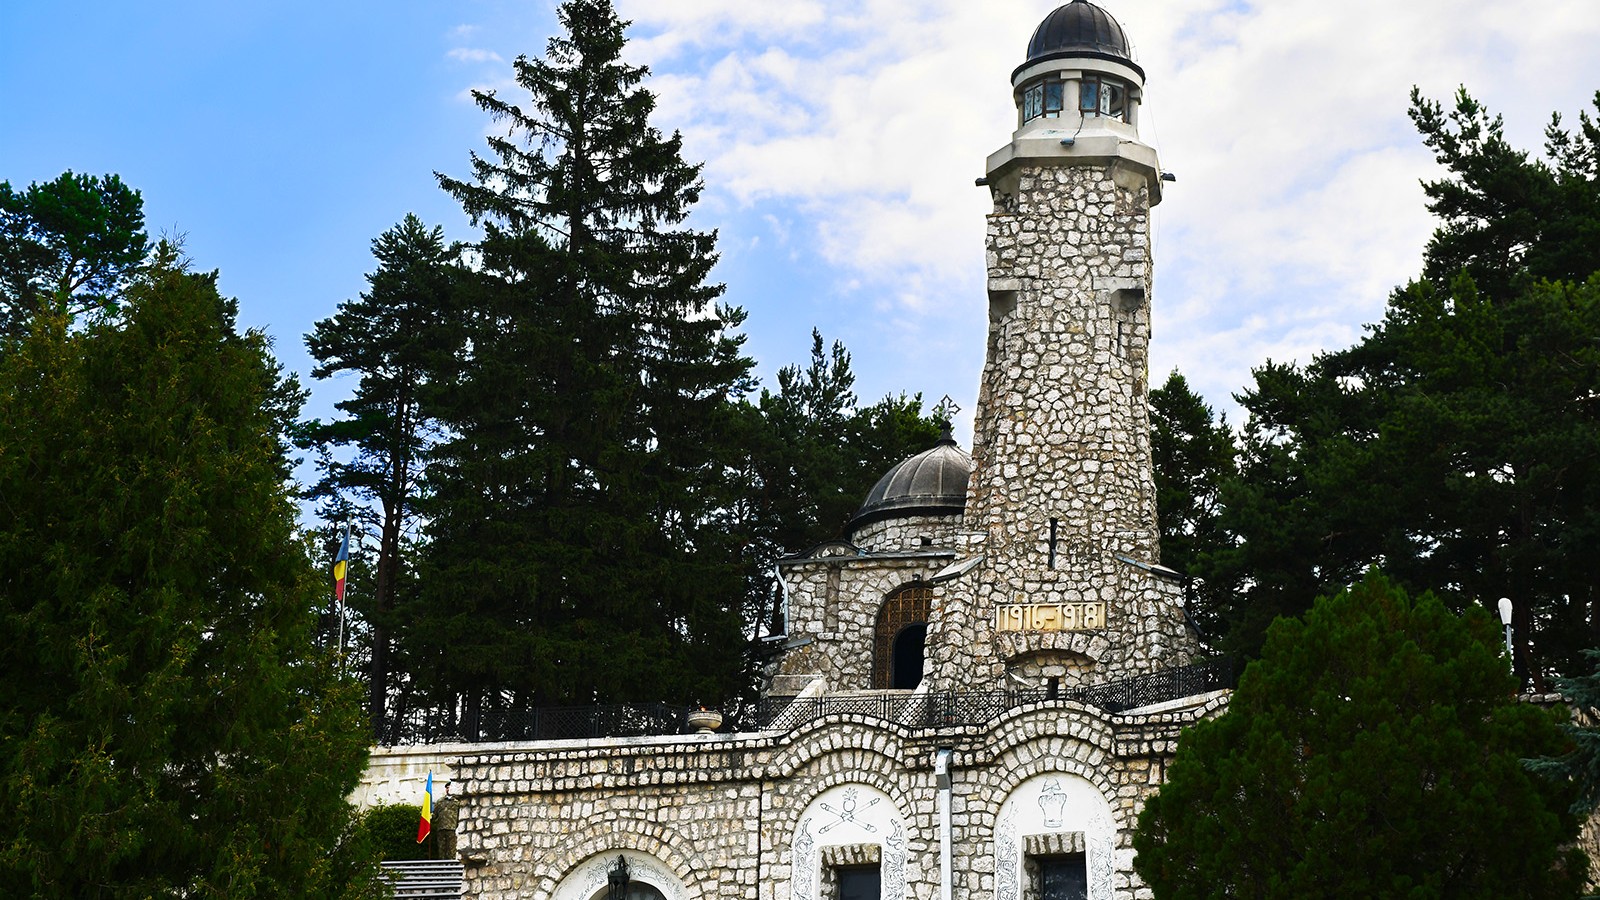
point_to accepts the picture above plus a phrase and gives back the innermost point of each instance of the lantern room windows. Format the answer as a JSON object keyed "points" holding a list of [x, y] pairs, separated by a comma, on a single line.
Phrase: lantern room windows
{"points": [[1101, 96], [1043, 98], [1098, 95]]}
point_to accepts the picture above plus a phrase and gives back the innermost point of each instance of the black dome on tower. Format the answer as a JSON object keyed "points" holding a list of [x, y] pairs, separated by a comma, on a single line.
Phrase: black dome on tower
{"points": [[1080, 28]]}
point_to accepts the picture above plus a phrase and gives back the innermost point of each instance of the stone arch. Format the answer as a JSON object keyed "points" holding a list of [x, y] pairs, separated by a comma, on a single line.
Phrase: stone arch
{"points": [[811, 744], [1047, 669], [660, 851], [899, 636], [1025, 750], [848, 816], [590, 876], [1091, 645], [1046, 808], [830, 766], [1044, 722]]}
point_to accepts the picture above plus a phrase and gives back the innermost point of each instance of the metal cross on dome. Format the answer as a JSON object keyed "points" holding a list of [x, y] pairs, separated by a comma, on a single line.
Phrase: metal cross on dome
{"points": [[946, 409]]}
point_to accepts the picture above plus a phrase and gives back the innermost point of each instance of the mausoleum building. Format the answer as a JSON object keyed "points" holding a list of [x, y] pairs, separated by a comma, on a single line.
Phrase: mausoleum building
{"points": [[980, 682]]}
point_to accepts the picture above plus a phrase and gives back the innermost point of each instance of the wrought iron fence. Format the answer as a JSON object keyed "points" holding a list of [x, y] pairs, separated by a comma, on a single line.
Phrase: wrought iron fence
{"points": [[537, 723], [929, 710], [947, 708]]}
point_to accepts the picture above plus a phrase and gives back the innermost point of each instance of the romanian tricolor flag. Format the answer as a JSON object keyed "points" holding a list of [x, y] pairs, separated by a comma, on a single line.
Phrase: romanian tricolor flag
{"points": [[341, 565], [426, 825]]}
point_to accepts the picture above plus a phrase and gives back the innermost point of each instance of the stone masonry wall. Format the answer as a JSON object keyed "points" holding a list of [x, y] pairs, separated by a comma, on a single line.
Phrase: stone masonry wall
{"points": [[834, 601], [720, 813], [1062, 430], [908, 533]]}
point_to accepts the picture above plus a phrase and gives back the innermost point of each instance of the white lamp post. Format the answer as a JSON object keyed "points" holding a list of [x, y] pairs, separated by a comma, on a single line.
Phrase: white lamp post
{"points": [[1505, 619]]}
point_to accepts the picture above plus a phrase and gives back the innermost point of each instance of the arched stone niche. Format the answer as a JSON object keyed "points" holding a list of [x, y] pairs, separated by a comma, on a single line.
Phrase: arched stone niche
{"points": [[1054, 804], [842, 816], [590, 877]]}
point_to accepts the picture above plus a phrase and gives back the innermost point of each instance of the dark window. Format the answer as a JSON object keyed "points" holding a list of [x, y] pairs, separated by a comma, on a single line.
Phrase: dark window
{"points": [[896, 647], [1032, 102], [858, 883], [1042, 98], [1052, 98], [1063, 878], [1099, 96]]}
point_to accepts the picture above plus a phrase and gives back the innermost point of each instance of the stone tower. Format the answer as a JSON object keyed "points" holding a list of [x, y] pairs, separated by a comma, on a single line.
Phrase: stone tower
{"points": [[1061, 503]]}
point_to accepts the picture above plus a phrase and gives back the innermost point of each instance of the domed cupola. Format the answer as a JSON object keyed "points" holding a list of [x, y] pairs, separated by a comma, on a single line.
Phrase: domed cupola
{"points": [[932, 483], [1080, 29], [1078, 96]]}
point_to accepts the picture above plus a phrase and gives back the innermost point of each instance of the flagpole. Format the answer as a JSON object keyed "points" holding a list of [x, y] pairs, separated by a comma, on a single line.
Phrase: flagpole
{"points": [[346, 545]]}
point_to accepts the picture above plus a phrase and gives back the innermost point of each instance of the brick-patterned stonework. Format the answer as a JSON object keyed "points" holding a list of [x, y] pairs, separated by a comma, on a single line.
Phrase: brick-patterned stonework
{"points": [[732, 816]]}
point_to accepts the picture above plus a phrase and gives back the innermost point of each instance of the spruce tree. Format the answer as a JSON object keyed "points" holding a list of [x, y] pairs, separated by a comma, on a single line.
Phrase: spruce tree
{"points": [[393, 337], [578, 524], [1580, 765], [1374, 750], [166, 729]]}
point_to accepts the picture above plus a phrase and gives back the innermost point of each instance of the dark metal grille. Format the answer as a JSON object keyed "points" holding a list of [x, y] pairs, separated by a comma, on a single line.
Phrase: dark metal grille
{"points": [[904, 607], [949, 708], [941, 709], [547, 723], [1064, 878]]}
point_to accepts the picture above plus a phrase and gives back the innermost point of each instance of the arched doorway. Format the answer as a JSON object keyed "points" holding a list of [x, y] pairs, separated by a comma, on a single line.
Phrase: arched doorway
{"points": [[635, 890], [621, 874], [900, 638], [621, 885]]}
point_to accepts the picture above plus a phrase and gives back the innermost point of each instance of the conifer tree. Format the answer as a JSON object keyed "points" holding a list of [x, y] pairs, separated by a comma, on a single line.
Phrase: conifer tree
{"points": [[1192, 453], [67, 245], [1458, 443], [1580, 765], [166, 728], [579, 547], [393, 337], [1374, 750], [813, 453]]}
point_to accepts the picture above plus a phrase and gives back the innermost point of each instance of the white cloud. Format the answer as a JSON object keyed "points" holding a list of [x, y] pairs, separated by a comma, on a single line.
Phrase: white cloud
{"points": [[473, 55], [1297, 206]]}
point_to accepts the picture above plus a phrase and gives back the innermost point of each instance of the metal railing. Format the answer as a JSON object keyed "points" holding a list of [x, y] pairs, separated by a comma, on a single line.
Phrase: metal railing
{"points": [[537, 723], [939, 709], [950, 708]]}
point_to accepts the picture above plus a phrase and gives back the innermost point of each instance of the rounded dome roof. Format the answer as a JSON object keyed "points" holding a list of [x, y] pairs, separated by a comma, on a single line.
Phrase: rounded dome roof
{"points": [[932, 483], [1080, 28]]}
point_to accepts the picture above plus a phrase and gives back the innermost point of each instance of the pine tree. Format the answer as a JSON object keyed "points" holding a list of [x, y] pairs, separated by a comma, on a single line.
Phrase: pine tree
{"points": [[167, 729], [578, 541], [1374, 750], [67, 245], [1193, 454], [1457, 444], [393, 336]]}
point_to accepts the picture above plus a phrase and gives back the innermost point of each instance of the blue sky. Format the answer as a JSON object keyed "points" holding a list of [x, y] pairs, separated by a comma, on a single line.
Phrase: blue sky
{"points": [[841, 141]]}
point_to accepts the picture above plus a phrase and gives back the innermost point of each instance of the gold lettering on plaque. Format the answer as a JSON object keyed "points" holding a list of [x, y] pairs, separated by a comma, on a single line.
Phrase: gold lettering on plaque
{"points": [[1050, 616]]}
